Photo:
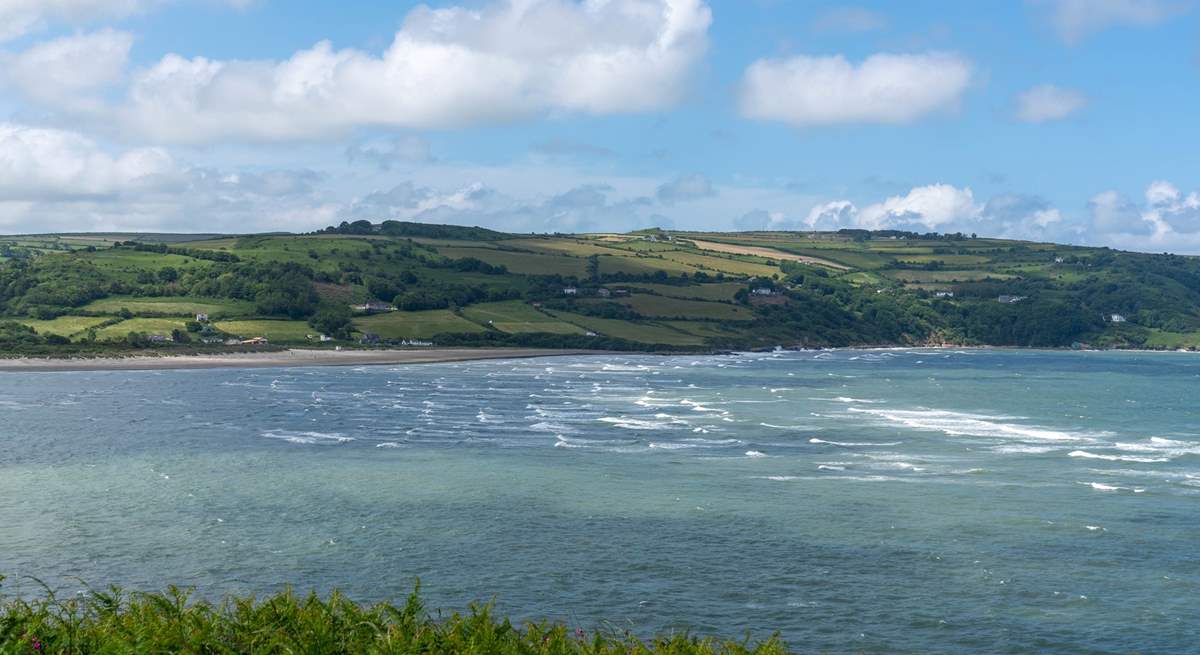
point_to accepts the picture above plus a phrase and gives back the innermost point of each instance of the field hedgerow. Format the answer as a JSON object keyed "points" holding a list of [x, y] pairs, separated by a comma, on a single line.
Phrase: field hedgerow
{"points": [[116, 622]]}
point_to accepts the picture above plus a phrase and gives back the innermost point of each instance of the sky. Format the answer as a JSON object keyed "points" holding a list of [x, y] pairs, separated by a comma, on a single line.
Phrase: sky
{"points": [[1064, 120]]}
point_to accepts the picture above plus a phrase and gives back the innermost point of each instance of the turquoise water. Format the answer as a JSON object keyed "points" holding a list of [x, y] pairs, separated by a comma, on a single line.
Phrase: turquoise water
{"points": [[855, 501]]}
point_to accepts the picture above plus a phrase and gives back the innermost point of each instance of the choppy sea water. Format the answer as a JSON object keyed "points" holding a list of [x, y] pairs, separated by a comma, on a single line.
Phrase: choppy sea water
{"points": [[890, 501]]}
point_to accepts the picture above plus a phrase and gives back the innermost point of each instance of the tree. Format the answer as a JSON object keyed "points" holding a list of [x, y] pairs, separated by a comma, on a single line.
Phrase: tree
{"points": [[334, 320]]}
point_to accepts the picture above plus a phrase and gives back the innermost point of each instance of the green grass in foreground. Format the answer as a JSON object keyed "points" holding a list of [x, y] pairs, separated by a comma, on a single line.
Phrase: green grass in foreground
{"points": [[113, 621]]}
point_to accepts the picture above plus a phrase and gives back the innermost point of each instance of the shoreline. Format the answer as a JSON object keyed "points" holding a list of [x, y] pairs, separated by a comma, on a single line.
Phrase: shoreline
{"points": [[278, 359]]}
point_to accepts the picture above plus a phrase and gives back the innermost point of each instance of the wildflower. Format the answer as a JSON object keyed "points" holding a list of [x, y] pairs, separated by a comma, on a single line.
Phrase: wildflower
{"points": [[579, 633]]}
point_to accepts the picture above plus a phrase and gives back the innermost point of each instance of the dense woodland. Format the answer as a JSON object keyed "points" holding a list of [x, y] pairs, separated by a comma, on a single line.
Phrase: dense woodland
{"points": [[375, 284]]}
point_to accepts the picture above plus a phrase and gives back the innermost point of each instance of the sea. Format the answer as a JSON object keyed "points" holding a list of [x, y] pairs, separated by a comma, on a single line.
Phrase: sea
{"points": [[850, 501]]}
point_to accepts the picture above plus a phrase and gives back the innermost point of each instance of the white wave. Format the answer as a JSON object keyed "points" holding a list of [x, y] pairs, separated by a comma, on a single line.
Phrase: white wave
{"points": [[851, 444], [971, 425], [638, 424], [1117, 458], [830, 467], [785, 427], [847, 399], [1009, 449], [1158, 445], [389, 444], [755, 454], [777, 478], [310, 438], [1100, 486]]}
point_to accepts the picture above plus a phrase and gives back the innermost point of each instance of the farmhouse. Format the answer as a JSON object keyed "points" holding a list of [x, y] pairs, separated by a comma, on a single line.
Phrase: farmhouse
{"points": [[944, 294], [570, 291], [763, 291], [373, 307], [201, 318], [1117, 318]]}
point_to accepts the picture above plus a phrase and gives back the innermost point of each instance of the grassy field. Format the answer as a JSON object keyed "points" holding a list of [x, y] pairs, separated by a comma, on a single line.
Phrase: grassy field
{"points": [[714, 291], [172, 306], [645, 332], [159, 326], [713, 263], [514, 316], [416, 325], [275, 331], [664, 307], [522, 262], [65, 326]]}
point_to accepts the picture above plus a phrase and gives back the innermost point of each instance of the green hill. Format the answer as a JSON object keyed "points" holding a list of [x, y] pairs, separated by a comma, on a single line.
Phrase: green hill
{"points": [[650, 290]]}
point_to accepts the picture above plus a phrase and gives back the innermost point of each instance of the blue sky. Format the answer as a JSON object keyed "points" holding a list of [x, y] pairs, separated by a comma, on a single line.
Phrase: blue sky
{"points": [[1068, 120]]}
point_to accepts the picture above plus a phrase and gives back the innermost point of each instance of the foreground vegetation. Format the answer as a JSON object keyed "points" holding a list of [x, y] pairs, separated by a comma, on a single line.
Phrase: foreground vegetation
{"points": [[113, 621], [395, 283]]}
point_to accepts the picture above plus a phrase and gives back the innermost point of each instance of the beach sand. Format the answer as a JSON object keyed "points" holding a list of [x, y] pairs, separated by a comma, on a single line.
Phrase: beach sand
{"points": [[296, 357]]}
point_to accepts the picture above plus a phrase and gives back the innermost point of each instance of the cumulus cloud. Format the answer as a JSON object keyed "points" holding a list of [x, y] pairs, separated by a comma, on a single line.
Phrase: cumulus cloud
{"points": [[851, 20], [1168, 208], [1074, 20], [581, 208], [885, 88], [685, 188], [451, 67], [67, 69], [1046, 102], [54, 179], [37, 163], [386, 153], [927, 207], [1113, 214], [21, 17]]}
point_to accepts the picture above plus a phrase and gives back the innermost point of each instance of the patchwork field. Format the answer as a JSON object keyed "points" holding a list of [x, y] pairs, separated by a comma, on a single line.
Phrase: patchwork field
{"points": [[171, 306], [65, 326], [158, 326], [515, 316], [416, 325], [645, 332], [665, 307], [275, 331]]}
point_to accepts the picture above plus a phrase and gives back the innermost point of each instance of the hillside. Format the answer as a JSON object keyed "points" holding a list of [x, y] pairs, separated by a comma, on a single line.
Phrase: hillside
{"points": [[653, 290]]}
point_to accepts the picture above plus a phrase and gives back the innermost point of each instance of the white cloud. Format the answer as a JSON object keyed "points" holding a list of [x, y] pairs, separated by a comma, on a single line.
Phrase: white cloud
{"points": [[885, 88], [685, 188], [65, 70], [1046, 102], [386, 153], [451, 67], [853, 20], [21, 17], [37, 163], [930, 207], [1074, 20], [60, 180]]}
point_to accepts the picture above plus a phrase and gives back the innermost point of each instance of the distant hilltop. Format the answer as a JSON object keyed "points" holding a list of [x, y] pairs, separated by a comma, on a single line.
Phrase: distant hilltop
{"points": [[365, 284]]}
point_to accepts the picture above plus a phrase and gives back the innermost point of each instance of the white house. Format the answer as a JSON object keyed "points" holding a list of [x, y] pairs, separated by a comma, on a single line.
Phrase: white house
{"points": [[570, 291], [1117, 318]]}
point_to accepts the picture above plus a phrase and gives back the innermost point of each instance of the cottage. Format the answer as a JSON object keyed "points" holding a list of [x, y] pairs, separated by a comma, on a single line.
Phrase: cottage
{"points": [[944, 294], [373, 307], [369, 339], [763, 291], [1117, 318], [1058, 260], [202, 318], [570, 291], [256, 341]]}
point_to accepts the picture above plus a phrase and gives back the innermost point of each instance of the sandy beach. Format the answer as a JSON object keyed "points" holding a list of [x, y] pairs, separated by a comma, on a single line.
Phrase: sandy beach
{"points": [[296, 357]]}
